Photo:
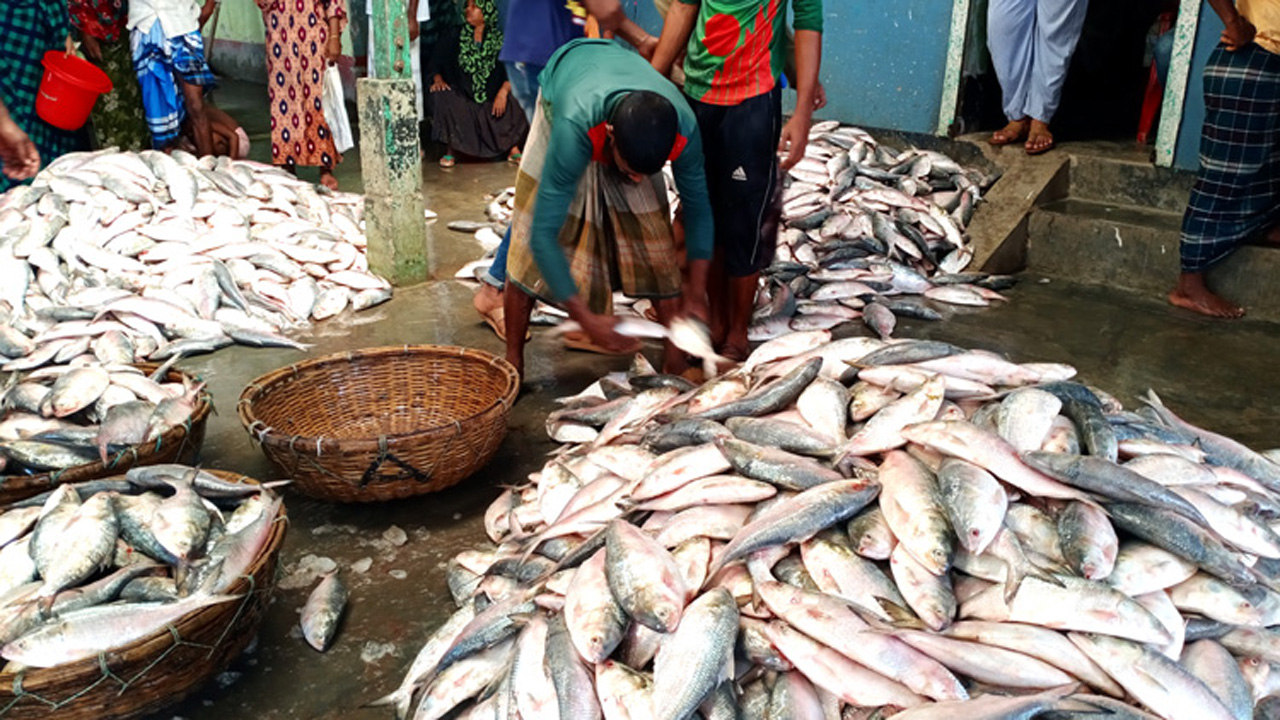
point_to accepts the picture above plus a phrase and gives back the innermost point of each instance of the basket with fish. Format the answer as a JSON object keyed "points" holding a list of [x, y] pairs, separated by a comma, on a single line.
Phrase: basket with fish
{"points": [[120, 596], [67, 424], [381, 423]]}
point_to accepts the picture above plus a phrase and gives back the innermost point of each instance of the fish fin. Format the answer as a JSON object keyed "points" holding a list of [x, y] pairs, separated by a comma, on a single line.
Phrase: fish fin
{"points": [[398, 698], [899, 617]]}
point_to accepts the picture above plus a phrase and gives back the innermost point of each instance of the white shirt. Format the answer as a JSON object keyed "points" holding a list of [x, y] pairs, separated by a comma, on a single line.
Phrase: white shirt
{"points": [[177, 17]]}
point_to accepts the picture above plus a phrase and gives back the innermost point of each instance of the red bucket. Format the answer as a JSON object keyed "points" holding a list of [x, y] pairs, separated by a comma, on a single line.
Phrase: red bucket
{"points": [[69, 89]]}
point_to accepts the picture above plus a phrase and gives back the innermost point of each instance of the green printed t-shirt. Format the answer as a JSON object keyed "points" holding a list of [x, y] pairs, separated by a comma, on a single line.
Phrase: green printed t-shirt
{"points": [[738, 47]]}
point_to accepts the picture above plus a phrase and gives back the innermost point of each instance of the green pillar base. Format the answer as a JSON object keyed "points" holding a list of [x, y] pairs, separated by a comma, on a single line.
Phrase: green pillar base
{"points": [[394, 226]]}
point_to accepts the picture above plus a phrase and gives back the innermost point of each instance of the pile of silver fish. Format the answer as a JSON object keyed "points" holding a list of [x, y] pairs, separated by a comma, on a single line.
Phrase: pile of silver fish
{"points": [[160, 255], [98, 565], [859, 528], [62, 416], [867, 232]]}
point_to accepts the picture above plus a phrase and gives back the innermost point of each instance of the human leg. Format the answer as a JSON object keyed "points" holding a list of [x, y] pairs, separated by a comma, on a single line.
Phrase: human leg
{"points": [[524, 85], [1010, 25], [1057, 31], [748, 176], [517, 307], [201, 128], [1234, 197]]}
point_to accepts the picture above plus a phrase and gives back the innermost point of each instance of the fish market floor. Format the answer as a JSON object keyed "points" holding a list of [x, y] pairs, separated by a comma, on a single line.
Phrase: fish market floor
{"points": [[1220, 375]]}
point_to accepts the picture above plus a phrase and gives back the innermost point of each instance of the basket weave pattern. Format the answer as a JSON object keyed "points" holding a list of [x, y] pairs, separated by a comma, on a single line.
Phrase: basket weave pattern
{"points": [[381, 423], [179, 444], [154, 672]]}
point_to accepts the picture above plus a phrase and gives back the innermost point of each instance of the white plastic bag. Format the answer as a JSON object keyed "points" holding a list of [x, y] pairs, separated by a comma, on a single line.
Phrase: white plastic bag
{"points": [[335, 109]]}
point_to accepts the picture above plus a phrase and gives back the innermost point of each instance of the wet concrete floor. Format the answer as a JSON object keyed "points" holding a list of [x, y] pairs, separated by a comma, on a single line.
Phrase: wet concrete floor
{"points": [[1218, 374]]}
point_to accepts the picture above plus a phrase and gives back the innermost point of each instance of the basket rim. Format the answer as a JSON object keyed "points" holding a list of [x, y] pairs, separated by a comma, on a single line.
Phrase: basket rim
{"points": [[263, 434], [138, 453], [92, 664]]}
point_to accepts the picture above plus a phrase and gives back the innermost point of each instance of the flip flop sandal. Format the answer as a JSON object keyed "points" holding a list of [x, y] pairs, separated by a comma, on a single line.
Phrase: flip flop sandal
{"points": [[447, 162], [1007, 139], [1043, 149], [573, 342], [514, 158]]}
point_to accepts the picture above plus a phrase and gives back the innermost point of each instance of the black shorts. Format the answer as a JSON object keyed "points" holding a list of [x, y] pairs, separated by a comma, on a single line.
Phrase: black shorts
{"points": [[740, 144]]}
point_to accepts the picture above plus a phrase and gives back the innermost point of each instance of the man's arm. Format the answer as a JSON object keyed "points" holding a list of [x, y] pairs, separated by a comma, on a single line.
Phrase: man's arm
{"points": [[19, 158], [795, 134], [612, 18], [1239, 32], [567, 157], [206, 10], [677, 28]]}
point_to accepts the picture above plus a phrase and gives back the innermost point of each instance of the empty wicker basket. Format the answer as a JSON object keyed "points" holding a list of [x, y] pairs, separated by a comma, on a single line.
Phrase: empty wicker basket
{"points": [[381, 423]]}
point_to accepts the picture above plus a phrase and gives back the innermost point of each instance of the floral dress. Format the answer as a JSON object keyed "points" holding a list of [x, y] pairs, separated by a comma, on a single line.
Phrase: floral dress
{"points": [[297, 31]]}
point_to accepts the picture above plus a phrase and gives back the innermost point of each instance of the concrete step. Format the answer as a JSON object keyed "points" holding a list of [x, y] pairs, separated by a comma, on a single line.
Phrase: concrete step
{"points": [[1121, 180], [1135, 248]]}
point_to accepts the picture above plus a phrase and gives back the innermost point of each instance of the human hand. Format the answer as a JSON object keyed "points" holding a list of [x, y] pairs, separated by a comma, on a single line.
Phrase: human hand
{"points": [[438, 84], [819, 96], [414, 30], [500, 104], [795, 136], [1238, 33], [647, 47], [70, 46], [18, 154], [333, 48], [600, 329], [92, 50]]}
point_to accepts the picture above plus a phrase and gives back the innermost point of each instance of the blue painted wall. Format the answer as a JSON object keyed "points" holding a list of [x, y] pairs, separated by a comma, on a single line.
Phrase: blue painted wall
{"points": [[1186, 154], [882, 60]]}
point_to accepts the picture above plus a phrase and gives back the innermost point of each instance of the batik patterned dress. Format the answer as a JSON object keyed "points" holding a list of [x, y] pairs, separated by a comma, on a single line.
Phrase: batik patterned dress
{"points": [[118, 119], [297, 31]]}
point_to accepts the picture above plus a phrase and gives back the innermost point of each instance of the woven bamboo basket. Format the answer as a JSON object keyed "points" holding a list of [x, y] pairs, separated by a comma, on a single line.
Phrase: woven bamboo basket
{"points": [[180, 444], [153, 673], [381, 423]]}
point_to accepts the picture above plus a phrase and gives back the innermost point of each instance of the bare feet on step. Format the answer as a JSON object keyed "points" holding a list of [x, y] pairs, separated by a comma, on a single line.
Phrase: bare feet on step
{"points": [[1192, 294]]}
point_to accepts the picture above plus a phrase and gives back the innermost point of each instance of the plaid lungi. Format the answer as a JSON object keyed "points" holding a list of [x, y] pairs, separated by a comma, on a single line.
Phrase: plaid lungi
{"points": [[617, 234], [29, 28], [158, 61], [1237, 190]]}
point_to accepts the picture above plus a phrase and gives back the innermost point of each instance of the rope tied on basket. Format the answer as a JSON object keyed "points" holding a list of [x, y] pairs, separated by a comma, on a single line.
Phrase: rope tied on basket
{"points": [[260, 432], [407, 470]]}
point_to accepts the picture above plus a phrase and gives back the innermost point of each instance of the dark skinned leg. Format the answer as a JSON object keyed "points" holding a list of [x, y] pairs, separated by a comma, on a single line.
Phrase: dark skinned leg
{"points": [[201, 128], [718, 301], [1191, 293], [517, 306], [741, 299]]}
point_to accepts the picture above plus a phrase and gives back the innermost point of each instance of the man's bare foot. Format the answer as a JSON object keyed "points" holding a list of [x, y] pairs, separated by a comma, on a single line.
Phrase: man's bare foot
{"points": [[1272, 238], [1015, 131], [1039, 139], [1192, 294], [487, 299]]}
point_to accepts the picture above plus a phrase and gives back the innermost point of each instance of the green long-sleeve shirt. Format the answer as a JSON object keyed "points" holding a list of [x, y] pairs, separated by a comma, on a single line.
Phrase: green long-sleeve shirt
{"points": [[581, 85]]}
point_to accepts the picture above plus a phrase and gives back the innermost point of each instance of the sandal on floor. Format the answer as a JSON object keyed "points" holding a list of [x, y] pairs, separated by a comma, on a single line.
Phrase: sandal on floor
{"points": [[583, 342], [447, 162], [514, 157], [1042, 150]]}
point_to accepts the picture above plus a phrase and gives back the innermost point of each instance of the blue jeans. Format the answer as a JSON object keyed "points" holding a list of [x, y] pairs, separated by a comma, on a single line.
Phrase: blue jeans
{"points": [[524, 86]]}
